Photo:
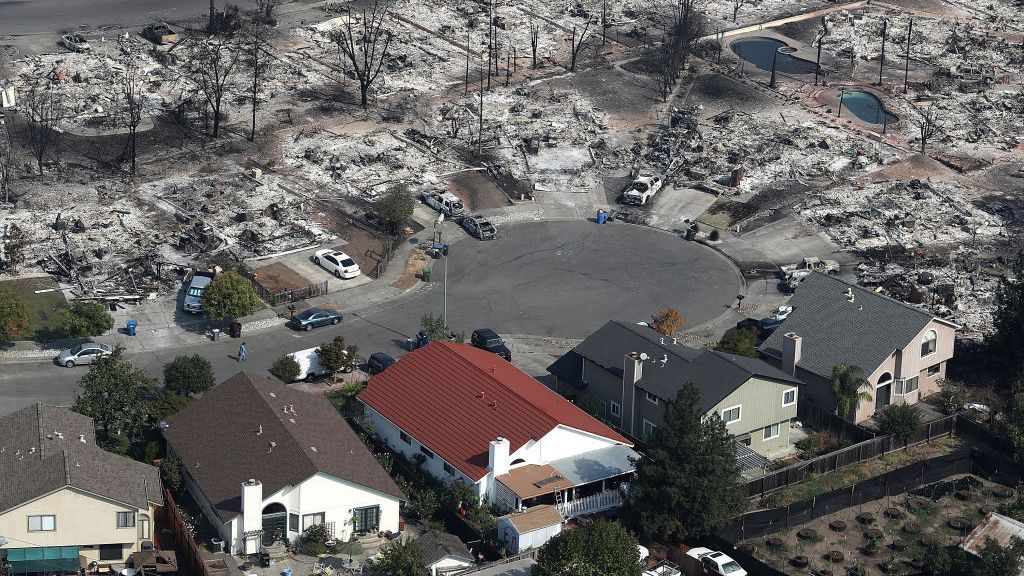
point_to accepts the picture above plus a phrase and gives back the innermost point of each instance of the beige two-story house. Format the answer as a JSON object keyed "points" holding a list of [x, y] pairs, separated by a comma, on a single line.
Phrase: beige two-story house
{"points": [[902, 349], [633, 373], [62, 493]]}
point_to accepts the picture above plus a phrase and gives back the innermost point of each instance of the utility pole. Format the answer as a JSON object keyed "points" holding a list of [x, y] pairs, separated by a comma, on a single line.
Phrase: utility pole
{"points": [[775, 58], [480, 132], [906, 69], [466, 91], [881, 60]]}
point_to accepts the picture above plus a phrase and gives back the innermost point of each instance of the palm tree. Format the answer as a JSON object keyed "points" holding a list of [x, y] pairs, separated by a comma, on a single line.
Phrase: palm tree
{"points": [[847, 384]]}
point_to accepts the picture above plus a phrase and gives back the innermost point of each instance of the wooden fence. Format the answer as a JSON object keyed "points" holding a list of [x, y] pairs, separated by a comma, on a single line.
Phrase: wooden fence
{"points": [[286, 296], [184, 543], [866, 450], [826, 421], [388, 245], [531, 553]]}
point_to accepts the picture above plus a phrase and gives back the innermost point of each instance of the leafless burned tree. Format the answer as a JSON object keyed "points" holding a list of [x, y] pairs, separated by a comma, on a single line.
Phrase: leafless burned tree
{"points": [[256, 60], [928, 124], [6, 161], [365, 45], [131, 106], [265, 11], [44, 110], [687, 26], [212, 65], [534, 41], [576, 45]]}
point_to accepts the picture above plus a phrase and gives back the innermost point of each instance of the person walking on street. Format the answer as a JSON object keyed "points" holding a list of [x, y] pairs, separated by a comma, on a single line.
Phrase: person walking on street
{"points": [[241, 352]]}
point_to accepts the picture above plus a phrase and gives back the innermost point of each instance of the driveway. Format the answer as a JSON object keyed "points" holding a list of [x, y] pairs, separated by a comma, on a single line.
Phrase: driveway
{"points": [[674, 208]]}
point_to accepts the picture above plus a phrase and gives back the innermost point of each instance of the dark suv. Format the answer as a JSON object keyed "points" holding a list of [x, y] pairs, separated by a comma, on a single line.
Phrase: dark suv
{"points": [[487, 339]]}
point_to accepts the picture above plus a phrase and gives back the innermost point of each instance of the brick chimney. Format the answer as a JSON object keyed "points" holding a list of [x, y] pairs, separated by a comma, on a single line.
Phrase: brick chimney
{"points": [[791, 350]]}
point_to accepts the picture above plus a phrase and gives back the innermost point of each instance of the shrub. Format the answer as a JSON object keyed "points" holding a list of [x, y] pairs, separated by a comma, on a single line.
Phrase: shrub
{"points": [[286, 369], [313, 541], [900, 420], [82, 319], [335, 355], [13, 316], [714, 235], [188, 374], [229, 296]]}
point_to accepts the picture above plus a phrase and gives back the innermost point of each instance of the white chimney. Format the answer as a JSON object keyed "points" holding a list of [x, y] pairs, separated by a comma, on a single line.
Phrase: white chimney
{"points": [[791, 349], [633, 369], [252, 513], [498, 456]]}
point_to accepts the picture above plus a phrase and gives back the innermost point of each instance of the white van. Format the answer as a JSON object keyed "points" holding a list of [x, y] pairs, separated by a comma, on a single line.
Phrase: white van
{"points": [[309, 365]]}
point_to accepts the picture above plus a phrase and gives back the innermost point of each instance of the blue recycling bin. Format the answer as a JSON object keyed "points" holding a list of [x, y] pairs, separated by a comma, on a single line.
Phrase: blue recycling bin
{"points": [[602, 216], [130, 327]]}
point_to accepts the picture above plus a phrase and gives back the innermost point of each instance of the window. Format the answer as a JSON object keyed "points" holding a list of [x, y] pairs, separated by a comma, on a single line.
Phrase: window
{"points": [[405, 437], [649, 428], [144, 529], [789, 397], [448, 468], [47, 523], [111, 552], [733, 414], [308, 520], [426, 452], [897, 387], [771, 431], [602, 409], [928, 343], [616, 408], [125, 519], [934, 370], [652, 398], [293, 522], [910, 385]]}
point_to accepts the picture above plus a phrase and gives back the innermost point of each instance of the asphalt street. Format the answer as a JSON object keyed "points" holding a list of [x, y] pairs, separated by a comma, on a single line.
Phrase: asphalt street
{"points": [[28, 17], [558, 279]]}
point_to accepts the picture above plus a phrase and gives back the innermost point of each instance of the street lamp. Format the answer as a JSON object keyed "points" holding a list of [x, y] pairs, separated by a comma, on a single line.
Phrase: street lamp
{"points": [[438, 251]]}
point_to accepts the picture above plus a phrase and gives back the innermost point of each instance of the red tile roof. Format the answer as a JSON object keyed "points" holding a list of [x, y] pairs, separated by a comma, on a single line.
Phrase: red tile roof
{"points": [[454, 399]]}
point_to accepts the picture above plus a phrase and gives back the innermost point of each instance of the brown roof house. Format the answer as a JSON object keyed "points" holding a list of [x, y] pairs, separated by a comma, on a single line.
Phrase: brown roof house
{"points": [[65, 502], [265, 462]]}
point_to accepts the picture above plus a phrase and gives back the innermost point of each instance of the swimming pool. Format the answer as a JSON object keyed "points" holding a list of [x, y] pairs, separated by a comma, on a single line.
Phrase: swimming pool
{"points": [[867, 107], [760, 52]]}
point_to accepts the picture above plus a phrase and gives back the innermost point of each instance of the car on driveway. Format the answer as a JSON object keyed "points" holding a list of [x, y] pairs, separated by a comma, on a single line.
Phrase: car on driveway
{"points": [[338, 263], [315, 317], [194, 294], [479, 227], [641, 190], [487, 339], [84, 353], [713, 562], [75, 43], [159, 34], [378, 362]]}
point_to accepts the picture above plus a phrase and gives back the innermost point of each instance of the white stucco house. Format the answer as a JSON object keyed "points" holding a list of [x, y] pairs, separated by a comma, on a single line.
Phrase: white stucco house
{"points": [[470, 415], [266, 462]]}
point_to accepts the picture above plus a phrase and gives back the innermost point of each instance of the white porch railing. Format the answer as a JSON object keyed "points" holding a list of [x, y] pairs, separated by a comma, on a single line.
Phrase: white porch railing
{"points": [[591, 504]]}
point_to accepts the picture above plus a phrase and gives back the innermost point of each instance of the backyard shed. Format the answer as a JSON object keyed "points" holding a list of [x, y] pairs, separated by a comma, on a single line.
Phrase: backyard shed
{"points": [[532, 528]]}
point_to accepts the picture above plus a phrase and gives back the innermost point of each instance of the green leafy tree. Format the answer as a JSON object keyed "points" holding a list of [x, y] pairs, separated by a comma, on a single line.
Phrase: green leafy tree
{"points": [[953, 394], [164, 406], [602, 548], [399, 557], [170, 472], [395, 207], [82, 319], [13, 316], [424, 502], [899, 420], [335, 355], [1008, 321], [188, 374], [286, 369], [433, 327], [229, 296], [113, 394], [740, 342], [688, 484], [999, 559], [667, 321], [848, 383]]}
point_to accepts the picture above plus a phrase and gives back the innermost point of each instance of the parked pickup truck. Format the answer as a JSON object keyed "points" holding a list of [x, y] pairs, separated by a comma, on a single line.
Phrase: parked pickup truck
{"points": [[310, 368], [642, 189], [810, 264], [445, 203]]}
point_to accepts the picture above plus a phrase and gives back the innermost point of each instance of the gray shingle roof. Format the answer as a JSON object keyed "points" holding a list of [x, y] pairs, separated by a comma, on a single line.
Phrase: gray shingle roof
{"points": [[715, 374], [240, 430], [435, 545], [44, 448], [834, 330]]}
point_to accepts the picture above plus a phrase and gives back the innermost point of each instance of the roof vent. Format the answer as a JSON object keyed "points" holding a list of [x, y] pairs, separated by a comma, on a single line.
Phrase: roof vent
{"points": [[661, 340], [480, 394], [675, 340], [849, 294], [492, 368], [81, 438], [292, 420], [313, 448], [260, 431], [664, 360], [272, 445], [59, 434], [643, 356], [291, 408], [32, 450], [494, 404], [272, 395], [284, 408]]}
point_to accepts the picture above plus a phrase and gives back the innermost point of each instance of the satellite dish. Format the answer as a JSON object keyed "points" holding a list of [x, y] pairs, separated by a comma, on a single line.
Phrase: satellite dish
{"points": [[644, 356]]}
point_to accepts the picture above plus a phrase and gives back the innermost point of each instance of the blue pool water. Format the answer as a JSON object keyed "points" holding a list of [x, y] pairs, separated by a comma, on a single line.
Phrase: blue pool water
{"points": [[760, 51], [867, 107]]}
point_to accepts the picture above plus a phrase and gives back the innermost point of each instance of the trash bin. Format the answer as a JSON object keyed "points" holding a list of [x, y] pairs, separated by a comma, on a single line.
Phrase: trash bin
{"points": [[426, 274], [130, 327], [602, 216], [236, 329], [216, 334]]}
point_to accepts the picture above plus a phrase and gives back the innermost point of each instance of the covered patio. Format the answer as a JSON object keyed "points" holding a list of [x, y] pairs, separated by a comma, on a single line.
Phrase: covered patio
{"points": [[576, 485]]}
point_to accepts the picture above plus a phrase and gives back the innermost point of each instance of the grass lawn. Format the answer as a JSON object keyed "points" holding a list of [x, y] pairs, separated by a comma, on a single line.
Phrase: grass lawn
{"points": [[43, 309]]}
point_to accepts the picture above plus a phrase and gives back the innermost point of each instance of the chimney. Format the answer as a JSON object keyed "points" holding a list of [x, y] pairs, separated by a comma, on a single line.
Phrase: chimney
{"points": [[498, 456], [632, 371], [633, 368], [791, 345], [252, 512]]}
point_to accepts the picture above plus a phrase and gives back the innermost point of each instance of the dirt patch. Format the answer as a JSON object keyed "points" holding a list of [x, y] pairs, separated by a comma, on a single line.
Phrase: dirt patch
{"points": [[364, 246], [413, 270], [278, 277], [477, 191]]}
